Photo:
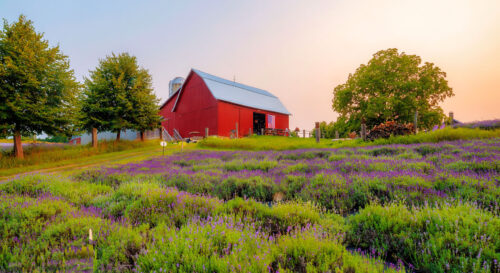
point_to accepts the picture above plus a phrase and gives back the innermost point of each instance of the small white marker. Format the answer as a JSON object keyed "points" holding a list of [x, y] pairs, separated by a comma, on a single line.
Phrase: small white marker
{"points": [[90, 235], [163, 144]]}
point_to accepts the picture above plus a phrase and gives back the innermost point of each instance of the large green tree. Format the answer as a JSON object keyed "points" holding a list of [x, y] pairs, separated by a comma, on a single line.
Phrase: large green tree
{"points": [[118, 95], [145, 104], [392, 86], [37, 87]]}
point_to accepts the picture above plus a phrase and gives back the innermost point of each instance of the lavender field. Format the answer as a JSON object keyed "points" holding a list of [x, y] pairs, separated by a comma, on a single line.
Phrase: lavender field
{"points": [[394, 208]]}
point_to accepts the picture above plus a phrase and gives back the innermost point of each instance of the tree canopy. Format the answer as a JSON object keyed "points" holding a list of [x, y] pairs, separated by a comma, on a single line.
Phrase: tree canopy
{"points": [[118, 95], [37, 87], [392, 86]]}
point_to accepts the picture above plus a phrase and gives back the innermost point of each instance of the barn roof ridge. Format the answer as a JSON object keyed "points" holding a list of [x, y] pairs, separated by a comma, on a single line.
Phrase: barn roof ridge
{"points": [[237, 93], [208, 76]]}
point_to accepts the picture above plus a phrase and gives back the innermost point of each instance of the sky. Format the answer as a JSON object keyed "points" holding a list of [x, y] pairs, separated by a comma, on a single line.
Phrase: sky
{"points": [[297, 50]]}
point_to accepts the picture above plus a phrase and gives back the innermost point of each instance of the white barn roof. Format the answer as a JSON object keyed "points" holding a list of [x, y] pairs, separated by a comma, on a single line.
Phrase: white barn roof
{"points": [[241, 94]]}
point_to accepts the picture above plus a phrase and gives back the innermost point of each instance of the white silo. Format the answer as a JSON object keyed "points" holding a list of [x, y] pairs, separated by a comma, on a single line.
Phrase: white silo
{"points": [[174, 85]]}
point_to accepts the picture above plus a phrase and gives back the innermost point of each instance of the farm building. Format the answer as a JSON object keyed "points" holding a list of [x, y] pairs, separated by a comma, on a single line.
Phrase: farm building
{"points": [[226, 108], [86, 138]]}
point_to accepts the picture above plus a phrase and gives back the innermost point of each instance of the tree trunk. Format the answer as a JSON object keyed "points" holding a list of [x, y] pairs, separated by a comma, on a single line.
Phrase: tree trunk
{"points": [[118, 135], [18, 146], [94, 137], [142, 135]]}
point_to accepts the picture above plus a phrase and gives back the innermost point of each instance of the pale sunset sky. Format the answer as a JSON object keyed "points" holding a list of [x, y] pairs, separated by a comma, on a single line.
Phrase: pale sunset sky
{"points": [[297, 50]]}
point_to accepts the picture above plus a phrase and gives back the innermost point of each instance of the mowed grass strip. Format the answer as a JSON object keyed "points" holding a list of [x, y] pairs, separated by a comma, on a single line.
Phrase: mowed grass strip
{"points": [[260, 143], [128, 151]]}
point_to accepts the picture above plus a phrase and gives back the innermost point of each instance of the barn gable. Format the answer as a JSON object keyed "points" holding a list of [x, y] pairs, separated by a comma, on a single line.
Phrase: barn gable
{"points": [[238, 93]]}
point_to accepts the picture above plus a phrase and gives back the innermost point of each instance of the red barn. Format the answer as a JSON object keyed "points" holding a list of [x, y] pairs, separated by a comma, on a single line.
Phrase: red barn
{"points": [[207, 101]]}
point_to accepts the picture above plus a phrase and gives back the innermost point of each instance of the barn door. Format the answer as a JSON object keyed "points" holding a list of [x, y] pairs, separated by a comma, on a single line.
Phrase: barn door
{"points": [[259, 122]]}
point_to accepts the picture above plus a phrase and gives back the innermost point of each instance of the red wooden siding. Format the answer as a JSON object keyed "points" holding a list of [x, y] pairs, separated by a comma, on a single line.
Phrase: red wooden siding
{"points": [[169, 117], [197, 109], [230, 113]]}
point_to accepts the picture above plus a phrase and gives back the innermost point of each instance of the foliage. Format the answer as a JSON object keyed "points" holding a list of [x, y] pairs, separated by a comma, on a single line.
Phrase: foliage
{"points": [[343, 126], [57, 139], [148, 203], [118, 95], [342, 180], [37, 87], [446, 239], [484, 124], [226, 244], [267, 143], [447, 134], [390, 128], [392, 86], [429, 207], [309, 252], [259, 143], [38, 185]]}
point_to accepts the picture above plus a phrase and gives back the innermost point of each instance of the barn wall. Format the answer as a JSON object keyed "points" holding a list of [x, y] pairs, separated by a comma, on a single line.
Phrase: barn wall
{"points": [[230, 113], [169, 117], [196, 108]]}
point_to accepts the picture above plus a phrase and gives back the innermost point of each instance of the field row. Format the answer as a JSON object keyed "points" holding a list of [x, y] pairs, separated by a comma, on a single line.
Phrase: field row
{"points": [[423, 208]]}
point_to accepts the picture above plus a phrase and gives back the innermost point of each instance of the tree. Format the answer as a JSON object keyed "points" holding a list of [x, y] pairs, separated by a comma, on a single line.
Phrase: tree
{"points": [[392, 86], [145, 105], [119, 95], [37, 87]]}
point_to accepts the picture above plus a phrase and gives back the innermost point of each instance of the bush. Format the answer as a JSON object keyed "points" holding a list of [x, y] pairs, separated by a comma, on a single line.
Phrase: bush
{"points": [[390, 128], [254, 187], [226, 244], [251, 165], [23, 219], [326, 190], [101, 177], [311, 251], [212, 245], [149, 203], [457, 238], [51, 234], [78, 193]]}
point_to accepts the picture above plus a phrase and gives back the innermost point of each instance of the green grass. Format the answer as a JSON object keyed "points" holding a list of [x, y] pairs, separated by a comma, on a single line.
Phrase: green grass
{"points": [[40, 155], [79, 156], [259, 143], [447, 134]]}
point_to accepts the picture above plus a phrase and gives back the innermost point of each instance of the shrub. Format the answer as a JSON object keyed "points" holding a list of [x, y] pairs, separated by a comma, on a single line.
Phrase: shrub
{"points": [[385, 151], [212, 245], [199, 183], [253, 187], [48, 233], [311, 251], [151, 204], [390, 128], [251, 165], [425, 150], [23, 219], [458, 238], [101, 177], [78, 193], [326, 190], [475, 166], [172, 207]]}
